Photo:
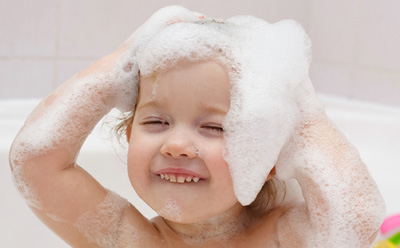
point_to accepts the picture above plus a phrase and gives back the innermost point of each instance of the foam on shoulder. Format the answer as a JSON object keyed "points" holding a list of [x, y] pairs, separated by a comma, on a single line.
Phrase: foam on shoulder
{"points": [[107, 225]]}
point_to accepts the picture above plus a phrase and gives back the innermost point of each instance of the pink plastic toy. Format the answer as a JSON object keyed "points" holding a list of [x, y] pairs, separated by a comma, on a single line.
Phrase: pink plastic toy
{"points": [[390, 230]]}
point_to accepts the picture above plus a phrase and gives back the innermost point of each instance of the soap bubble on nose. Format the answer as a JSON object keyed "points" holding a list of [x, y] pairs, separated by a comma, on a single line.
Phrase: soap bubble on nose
{"points": [[197, 151]]}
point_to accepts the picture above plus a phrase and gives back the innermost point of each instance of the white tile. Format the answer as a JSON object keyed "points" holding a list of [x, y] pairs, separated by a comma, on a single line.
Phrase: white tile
{"points": [[378, 86], [226, 8], [65, 69], [378, 42], [331, 28], [25, 79], [94, 28], [331, 79], [298, 10], [28, 28]]}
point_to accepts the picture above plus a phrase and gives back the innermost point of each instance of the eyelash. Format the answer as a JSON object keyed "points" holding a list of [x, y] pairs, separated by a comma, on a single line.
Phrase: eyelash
{"points": [[214, 128], [155, 122]]}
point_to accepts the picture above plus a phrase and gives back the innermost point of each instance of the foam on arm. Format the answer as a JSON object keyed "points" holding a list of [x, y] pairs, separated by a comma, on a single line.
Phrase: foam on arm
{"points": [[343, 204], [53, 134]]}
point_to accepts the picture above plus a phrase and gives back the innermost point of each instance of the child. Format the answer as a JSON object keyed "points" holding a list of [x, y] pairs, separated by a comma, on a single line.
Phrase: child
{"points": [[218, 112]]}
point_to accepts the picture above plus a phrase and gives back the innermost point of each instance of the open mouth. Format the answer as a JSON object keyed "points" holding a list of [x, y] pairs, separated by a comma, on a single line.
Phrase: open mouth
{"points": [[179, 178]]}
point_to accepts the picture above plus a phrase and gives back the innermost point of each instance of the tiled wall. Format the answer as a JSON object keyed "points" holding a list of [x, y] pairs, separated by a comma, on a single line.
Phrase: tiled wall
{"points": [[356, 43]]}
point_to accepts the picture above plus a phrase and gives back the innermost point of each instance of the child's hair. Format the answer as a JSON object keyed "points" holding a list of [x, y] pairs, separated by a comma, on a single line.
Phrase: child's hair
{"points": [[265, 199]]}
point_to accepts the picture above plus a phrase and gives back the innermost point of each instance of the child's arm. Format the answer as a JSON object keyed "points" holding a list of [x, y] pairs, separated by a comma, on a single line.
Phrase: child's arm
{"points": [[343, 205], [44, 153], [43, 156]]}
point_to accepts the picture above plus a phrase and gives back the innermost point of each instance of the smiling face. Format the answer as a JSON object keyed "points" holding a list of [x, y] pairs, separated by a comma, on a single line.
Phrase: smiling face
{"points": [[175, 161]]}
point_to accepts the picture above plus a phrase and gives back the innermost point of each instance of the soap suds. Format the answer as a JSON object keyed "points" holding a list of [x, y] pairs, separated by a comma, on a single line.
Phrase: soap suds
{"points": [[197, 151], [220, 228], [107, 225], [171, 211]]}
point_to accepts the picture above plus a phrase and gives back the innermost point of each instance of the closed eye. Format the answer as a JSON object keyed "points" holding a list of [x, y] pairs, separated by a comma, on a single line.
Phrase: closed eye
{"points": [[154, 122], [154, 125], [214, 128]]}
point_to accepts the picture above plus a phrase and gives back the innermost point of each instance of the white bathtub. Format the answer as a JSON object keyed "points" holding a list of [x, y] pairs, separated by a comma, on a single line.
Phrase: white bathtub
{"points": [[373, 129]]}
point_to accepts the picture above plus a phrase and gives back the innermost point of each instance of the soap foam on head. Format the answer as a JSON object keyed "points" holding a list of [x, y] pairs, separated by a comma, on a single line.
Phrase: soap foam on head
{"points": [[264, 62]]}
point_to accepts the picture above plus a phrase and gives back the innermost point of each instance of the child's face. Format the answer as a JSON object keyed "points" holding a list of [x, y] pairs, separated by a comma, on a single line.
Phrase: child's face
{"points": [[177, 133]]}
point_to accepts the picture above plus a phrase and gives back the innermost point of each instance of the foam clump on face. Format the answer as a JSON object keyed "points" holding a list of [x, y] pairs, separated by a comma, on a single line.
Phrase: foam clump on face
{"points": [[264, 62]]}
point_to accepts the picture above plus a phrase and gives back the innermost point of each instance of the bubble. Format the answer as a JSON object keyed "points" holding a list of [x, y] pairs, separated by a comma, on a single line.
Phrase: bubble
{"points": [[197, 151]]}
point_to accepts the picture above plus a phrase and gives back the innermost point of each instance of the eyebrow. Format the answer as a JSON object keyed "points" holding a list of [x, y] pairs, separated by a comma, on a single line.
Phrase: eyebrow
{"points": [[214, 109], [151, 104], [207, 108]]}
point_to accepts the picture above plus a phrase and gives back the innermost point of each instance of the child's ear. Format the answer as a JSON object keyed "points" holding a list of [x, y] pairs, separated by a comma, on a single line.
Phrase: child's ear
{"points": [[272, 173]]}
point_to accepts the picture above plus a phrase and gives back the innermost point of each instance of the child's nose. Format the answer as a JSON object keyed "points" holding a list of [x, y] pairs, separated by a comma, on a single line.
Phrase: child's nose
{"points": [[179, 145]]}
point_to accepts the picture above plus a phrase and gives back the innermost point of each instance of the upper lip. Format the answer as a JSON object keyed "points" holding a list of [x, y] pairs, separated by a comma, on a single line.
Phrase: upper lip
{"points": [[179, 171]]}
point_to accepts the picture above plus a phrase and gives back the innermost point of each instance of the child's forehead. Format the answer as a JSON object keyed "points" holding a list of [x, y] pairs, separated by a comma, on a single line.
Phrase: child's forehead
{"points": [[210, 67], [205, 81]]}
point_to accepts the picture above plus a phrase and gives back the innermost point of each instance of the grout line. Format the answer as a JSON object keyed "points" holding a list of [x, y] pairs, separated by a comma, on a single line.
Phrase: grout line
{"points": [[45, 58], [56, 46], [310, 11], [355, 66]]}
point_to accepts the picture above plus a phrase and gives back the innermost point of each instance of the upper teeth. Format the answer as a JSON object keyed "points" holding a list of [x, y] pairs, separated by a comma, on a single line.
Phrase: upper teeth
{"points": [[179, 179]]}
